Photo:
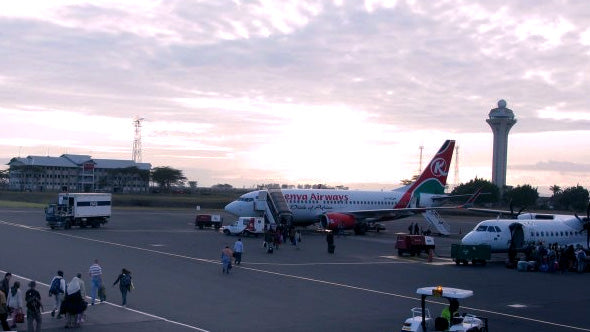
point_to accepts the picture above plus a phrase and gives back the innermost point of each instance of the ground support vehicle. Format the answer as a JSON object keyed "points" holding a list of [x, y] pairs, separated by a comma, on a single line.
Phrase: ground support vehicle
{"points": [[79, 209], [421, 321], [413, 244], [208, 220], [246, 226], [462, 253]]}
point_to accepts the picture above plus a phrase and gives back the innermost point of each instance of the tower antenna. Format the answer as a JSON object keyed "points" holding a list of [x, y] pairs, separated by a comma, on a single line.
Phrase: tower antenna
{"points": [[137, 140]]}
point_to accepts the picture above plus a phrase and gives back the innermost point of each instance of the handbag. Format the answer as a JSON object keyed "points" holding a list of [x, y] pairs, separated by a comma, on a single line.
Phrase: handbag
{"points": [[19, 317]]}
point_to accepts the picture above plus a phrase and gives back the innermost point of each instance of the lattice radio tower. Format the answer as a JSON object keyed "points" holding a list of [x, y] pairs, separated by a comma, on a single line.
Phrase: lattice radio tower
{"points": [[137, 140], [456, 179], [420, 165]]}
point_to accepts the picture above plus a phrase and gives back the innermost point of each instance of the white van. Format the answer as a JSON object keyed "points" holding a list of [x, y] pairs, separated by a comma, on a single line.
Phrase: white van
{"points": [[245, 226]]}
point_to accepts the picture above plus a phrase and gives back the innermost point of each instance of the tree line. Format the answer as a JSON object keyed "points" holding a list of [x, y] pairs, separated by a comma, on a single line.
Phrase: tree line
{"points": [[573, 198]]}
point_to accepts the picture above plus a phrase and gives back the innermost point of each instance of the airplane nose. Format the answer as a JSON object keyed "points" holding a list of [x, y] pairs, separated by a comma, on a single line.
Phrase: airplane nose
{"points": [[468, 239], [233, 208]]}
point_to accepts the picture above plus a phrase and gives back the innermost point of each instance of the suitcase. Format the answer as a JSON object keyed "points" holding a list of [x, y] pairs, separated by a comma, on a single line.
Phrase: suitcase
{"points": [[269, 250]]}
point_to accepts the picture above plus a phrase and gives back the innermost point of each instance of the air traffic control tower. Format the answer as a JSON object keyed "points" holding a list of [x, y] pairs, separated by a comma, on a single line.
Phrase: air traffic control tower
{"points": [[501, 119]]}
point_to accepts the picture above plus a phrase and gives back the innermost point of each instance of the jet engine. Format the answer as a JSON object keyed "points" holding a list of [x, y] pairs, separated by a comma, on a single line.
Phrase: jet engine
{"points": [[334, 221]]}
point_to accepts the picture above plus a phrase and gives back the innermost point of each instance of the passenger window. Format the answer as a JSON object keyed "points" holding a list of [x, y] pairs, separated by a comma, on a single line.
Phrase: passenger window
{"points": [[537, 233], [532, 234], [561, 233], [542, 233]]}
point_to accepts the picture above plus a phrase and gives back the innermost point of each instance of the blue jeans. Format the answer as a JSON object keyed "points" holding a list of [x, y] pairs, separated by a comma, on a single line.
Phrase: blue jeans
{"points": [[96, 283], [124, 294]]}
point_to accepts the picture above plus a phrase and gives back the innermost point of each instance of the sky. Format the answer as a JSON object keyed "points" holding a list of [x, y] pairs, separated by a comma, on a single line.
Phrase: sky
{"points": [[300, 91]]}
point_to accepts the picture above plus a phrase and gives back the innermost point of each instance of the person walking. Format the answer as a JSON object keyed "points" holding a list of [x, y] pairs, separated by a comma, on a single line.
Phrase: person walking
{"points": [[238, 250], [34, 307], [411, 229], [416, 229], [124, 281], [5, 286], [297, 238], [95, 273], [3, 312], [15, 302], [74, 305], [57, 288], [226, 255], [330, 241]]}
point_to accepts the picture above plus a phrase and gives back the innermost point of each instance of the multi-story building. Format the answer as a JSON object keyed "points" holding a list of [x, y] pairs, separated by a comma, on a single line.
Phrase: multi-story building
{"points": [[70, 172]]}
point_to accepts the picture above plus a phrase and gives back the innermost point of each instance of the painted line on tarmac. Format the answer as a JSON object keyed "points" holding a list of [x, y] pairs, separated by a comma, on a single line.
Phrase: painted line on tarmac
{"points": [[330, 283], [118, 306]]}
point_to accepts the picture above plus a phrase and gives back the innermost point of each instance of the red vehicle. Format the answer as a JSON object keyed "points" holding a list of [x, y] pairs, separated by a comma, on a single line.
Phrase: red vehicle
{"points": [[413, 244], [208, 220]]}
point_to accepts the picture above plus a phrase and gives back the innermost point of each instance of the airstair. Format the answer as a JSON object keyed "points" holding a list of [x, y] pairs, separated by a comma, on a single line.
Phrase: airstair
{"points": [[436, 221], [272, 204]]}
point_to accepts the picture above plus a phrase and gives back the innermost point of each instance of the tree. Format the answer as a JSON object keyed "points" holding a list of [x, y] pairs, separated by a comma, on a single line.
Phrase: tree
{"points": [[490, 192], [522, 196], [555, 189], [223, 186], [572, 198], [4, 177], [167, 176]]}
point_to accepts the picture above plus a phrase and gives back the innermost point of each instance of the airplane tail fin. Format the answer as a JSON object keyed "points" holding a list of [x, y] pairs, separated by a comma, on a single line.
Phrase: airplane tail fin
{"points": [[434, 177]]}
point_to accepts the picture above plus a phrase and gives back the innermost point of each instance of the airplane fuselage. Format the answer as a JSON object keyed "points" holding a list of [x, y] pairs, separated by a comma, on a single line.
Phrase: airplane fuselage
{"points": [[307, 205], [529, 228]]}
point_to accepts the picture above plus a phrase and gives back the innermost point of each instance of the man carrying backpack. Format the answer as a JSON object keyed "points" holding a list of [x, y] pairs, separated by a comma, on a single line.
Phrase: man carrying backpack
{"points": [[34, 306], [124, 280], [57, 289]]}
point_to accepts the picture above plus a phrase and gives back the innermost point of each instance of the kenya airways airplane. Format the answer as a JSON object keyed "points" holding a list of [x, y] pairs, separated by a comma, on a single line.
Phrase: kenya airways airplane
{"points": [[359, 210]]}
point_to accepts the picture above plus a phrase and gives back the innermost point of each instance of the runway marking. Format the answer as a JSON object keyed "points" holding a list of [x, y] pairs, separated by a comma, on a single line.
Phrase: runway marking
{"points": [[319, 281], [324, 263], [517, 305], [118, 306]]}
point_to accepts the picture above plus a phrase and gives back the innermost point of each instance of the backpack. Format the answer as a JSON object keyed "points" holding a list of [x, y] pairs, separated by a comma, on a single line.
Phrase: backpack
{"points": [[125, 281], [33, 301], [55, 286]]}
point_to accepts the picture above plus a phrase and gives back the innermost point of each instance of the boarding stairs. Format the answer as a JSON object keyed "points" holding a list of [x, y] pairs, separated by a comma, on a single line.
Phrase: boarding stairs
{"points": [[436, 221], [273, 205]]}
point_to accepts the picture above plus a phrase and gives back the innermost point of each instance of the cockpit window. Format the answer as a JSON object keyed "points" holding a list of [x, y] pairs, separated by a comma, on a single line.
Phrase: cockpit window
{"points": [[246, 199], [498, 229], [481, 228], [491, 229]]}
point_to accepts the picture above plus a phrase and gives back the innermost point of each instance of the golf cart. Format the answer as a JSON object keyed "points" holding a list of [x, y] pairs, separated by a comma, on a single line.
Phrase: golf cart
{"points": [[421, 321]]}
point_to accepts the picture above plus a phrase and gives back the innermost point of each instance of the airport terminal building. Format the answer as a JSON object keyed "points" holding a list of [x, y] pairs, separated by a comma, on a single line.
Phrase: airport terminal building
{"points": [[82, 173]]}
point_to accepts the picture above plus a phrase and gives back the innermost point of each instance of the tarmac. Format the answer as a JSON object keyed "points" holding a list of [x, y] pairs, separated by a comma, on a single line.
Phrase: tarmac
{"points": [[363, 286]]}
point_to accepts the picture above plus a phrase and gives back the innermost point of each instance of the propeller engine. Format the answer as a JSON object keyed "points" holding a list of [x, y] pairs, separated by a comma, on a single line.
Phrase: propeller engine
{"points": [[586, 225]]}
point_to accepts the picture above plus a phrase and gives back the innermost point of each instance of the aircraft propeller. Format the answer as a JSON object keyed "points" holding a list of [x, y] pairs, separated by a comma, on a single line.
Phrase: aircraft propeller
{"points": [[586, 225], [512, 214]]}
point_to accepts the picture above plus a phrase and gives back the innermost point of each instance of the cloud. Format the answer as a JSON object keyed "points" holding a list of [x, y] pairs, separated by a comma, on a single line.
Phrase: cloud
{"points": [[555, 166], [225, 80]]}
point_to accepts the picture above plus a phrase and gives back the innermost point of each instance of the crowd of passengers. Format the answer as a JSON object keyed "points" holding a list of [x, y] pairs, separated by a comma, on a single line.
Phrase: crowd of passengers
{"points": [[552, 258]]}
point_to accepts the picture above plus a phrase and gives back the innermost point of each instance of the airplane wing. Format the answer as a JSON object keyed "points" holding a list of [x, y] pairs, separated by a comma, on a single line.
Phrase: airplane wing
{"points": [[393, 214]]}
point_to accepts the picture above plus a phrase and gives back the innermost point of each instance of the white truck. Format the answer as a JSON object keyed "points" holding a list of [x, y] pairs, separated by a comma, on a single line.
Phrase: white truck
{"points": [[245, 226], [79, 209]]}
